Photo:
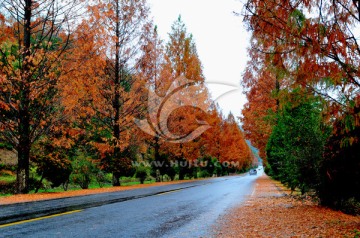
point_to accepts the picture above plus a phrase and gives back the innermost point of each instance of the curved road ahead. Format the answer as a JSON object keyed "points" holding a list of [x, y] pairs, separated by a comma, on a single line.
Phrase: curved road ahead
{"points": [[188, 212]]}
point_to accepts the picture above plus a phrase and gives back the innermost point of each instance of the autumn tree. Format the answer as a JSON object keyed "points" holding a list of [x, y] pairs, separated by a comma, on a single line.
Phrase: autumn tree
{"points": [[225, 141], [233, 147], [30, 57], [181, 53], [317, 44], [151, 68], [262, 104], [184, 64], [210, 140], [116, 34]]}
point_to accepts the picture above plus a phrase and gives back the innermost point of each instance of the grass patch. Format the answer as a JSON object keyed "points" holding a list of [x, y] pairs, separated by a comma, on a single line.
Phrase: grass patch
{"points": [[7, 178], [137, 182], [56, 190], [93, 185]]}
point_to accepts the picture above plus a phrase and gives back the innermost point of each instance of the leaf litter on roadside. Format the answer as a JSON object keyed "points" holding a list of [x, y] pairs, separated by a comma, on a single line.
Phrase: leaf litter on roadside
{"points": [[273, 212]]}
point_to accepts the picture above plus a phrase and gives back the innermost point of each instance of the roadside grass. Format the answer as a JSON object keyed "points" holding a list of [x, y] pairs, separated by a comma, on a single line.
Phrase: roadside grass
{"points": [[93, 185], [7, 178]]}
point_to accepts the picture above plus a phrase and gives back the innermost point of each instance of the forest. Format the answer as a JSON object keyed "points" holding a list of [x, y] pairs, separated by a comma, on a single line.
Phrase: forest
{"points": [[302, 85], [89, 93]]}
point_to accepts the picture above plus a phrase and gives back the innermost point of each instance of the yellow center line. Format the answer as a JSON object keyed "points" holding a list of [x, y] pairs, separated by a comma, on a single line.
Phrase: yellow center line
{"points": [[39, 218]]}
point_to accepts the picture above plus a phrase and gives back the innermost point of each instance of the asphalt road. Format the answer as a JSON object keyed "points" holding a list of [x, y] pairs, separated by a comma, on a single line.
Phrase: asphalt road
{"points": [[190, 211]]}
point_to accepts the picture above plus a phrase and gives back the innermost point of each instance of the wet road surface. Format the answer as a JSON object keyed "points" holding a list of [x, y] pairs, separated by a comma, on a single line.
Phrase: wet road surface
{"points": [[187, 212]]}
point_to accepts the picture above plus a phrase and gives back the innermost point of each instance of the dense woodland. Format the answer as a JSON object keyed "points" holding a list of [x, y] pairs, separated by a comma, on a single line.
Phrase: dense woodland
{"points": [[75, 80], [303, 82]]}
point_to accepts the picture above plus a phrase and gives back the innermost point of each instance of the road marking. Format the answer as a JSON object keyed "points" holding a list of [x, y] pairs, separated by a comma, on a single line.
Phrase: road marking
{"points": [[39, 218]]}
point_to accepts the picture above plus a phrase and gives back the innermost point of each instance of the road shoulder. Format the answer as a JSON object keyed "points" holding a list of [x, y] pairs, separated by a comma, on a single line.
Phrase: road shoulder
{"points": [[272, 212]]}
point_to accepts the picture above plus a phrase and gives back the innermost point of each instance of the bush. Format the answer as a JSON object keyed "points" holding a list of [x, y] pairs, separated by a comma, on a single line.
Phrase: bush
{"points": [[52, 164], [101, 178], [7, 187], [162, 166], [83, 171], [204, 174], [122, 168], [267, 169], [141, 174], [4, 145], [56, 171], [296, 145]]}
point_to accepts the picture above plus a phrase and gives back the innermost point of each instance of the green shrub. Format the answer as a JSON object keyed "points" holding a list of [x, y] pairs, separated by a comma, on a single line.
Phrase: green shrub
{"points": [[296, 145], [101, 178], [141, 174], [52, 163], [267, 169], [4, 145], [204, 174], [82, 172]]}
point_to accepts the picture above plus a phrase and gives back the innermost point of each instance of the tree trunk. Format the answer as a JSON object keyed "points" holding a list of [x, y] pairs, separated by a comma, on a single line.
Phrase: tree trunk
{"points": [[277, 91], [23, 149], [181, 174], [22, 183], [158, 176], [157, 157], [116, 104], [116, 180], [22, 180], [38, 185], [181, 165]]}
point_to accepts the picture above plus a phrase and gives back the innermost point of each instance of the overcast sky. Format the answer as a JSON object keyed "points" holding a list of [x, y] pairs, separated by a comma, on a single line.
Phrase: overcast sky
{"points": [[220, 37]]}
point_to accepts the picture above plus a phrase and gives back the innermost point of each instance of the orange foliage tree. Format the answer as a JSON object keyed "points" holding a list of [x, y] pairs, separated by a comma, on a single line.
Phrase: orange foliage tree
{"points": [[111, 89], [186, 80], [316, 42], [262, 94], [233, 147], [37, 36]]}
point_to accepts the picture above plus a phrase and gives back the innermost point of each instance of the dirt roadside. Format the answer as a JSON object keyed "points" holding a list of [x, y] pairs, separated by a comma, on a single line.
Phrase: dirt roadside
{"points": [[272, 212]]}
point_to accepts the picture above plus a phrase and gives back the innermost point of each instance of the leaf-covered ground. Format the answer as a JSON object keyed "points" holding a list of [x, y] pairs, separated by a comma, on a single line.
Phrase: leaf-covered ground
{"points": [[272, 212]]}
